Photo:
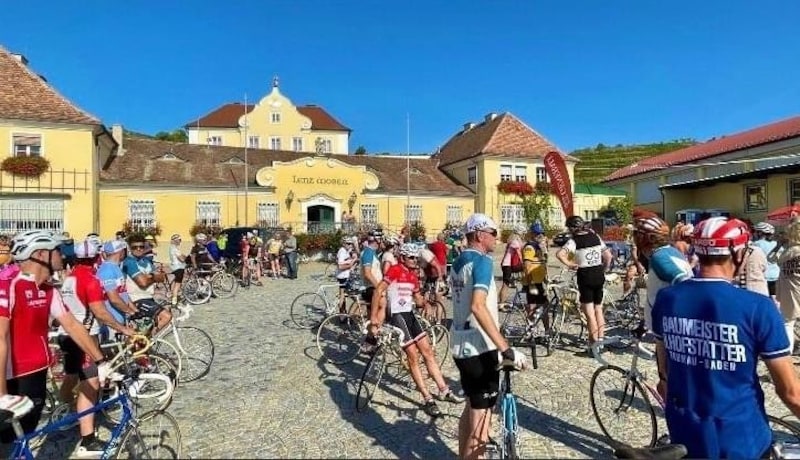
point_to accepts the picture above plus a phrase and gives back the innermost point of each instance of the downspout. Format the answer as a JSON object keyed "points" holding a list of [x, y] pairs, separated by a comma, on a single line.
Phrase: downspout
{"points": [[663, 205]]}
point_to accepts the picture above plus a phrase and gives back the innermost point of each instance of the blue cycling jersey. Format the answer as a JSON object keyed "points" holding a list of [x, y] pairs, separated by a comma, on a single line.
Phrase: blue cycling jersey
{"points": [[667, 267]]}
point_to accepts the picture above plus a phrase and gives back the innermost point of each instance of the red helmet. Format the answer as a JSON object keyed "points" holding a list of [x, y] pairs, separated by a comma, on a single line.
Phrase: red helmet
{"points": [[720, 236]]}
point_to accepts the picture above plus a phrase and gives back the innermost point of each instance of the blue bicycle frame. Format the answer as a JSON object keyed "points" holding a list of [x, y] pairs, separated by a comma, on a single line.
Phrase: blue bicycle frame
{"points": [[508, 408], [22, 443]]}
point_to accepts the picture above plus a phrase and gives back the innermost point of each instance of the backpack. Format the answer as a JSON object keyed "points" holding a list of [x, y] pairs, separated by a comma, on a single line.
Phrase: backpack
{"points": [[516, 260]]}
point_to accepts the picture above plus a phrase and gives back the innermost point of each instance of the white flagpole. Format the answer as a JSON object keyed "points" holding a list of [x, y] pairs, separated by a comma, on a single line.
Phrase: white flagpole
{"points": [[408, 161], [246, 165]]}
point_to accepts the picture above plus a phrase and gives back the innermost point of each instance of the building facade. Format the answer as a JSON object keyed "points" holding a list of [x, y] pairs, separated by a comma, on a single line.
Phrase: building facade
{"points": [[590, 199], [273, 123], [746, 174]]}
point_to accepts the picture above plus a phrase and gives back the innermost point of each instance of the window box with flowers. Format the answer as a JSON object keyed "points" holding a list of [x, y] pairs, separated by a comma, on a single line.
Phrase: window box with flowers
{"points": [[25, 166], [515, 187]]}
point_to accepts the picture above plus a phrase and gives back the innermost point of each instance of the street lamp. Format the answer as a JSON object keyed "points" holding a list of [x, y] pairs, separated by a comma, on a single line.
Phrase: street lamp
{"points": [[352, 201]]}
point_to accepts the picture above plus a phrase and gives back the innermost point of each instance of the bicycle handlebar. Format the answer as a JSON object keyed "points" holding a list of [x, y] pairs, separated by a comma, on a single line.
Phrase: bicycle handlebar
{"points": [[387, 330]]}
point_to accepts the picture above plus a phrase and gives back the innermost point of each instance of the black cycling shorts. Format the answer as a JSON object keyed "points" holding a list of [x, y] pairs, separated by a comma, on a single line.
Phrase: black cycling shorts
{"points": [[366, 296], [589, 293], [178, 274], [148, 308], [537, 298], [411, 328], [771, 287], [480, 379], [76, 361], [507, 280]]}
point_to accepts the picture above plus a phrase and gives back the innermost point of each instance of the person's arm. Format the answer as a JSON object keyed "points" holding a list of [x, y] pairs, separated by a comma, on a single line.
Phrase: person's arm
{"points": [[377, 307], [116, 301], [663, 368], [76, 331], [563, 254], [4, 340], [366, 268], [774, 349], [98, 309], [607, 258]]}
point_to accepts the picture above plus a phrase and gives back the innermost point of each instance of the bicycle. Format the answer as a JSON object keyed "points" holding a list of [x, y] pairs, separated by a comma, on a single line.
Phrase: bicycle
{"points": [[128, 437], [309, 309], [507, 409]]}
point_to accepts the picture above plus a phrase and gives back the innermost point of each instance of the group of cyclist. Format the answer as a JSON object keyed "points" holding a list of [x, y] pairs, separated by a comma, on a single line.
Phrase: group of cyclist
{"points": [[102, 288]]}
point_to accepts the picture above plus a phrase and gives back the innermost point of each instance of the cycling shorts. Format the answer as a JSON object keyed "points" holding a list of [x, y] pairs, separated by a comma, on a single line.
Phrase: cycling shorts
{"points": [[407, 322], [480, 379], [76, 361]]}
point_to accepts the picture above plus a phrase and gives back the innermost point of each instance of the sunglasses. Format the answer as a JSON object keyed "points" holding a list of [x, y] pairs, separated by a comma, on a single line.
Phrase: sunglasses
{"points": [[491, 232], [137, 246], [411, 257]]}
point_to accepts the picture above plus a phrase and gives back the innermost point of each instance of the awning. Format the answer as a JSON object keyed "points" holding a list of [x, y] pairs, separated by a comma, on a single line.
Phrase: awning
{"points": [[762, 173]]}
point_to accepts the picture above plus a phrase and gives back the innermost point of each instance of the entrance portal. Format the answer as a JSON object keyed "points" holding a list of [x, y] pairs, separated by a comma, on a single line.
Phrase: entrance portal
{"points": [[321, 219]]}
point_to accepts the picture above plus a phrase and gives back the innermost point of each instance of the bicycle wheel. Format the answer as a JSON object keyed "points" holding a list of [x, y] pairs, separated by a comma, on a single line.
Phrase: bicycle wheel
{"points": [[440, 341], [339, 338], [370, 380], [196, 350], [224, 285], [435, 312], [509, 426], [196, 291], [331, 269], [514, 324], [783, 431], [152, 389], [169, 351], [617, 399], [308, 310], [156, 434]]}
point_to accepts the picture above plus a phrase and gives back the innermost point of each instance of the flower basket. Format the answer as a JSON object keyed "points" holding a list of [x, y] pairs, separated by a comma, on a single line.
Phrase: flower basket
{"points": [[200, 227], [130, 229], [25, 166], [516, 187]]}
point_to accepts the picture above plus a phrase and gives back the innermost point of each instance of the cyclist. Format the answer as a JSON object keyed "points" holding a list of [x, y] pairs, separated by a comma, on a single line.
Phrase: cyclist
{"points": [[177, 263], [534, 276], [27, 304], [274, 248], [83, 296], [346, 260], [110, 274], [400, 285], [592, 260], [666, 265], [389, 257], [476, 337], [710, 338], [370, 266], [140, 279], [765, 239]]}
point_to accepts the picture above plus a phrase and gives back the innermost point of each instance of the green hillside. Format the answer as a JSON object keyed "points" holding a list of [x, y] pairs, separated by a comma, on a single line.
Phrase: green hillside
{"points": [[599, 161]]}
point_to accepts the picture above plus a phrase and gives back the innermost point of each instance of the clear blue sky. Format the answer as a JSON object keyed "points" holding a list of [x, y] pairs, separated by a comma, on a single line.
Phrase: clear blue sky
{"points": [[579, 72]]}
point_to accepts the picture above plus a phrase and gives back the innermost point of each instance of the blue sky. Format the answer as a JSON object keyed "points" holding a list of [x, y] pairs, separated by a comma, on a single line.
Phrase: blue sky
{"points": [[579, 72]]}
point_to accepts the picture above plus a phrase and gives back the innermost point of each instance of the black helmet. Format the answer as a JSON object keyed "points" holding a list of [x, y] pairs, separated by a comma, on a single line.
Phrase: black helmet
{"points": [[575, 222], [376, 233]]}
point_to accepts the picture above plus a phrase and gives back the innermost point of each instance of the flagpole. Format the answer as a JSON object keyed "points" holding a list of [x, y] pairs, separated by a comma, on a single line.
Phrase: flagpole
{"points": [[408, 161], [246, 166]]}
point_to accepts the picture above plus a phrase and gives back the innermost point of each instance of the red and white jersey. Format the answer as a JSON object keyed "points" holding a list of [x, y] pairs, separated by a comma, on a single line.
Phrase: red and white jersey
{"points": [[80, 289], [29, 309], [403, 284]]}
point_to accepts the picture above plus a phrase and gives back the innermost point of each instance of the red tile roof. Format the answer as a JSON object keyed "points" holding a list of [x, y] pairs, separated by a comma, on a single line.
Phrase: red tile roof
{"points": [[773, 132], [24, 95], [504, 136], [228, 115]]}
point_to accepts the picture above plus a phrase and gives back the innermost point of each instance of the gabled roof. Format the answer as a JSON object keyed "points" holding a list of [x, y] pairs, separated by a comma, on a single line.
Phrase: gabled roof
{"points": [[25, 95], [773, 132], [210, 166], [504, 136], [227, 116]]}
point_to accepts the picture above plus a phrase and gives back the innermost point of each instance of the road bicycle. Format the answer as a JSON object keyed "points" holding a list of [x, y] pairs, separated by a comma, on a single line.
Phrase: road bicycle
{"points": [[309, 309], [508, 448]]}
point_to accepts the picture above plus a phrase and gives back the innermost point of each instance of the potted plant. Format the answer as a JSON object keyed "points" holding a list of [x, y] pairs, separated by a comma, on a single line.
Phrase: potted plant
{"points": [[515, 187], [25, 166]]}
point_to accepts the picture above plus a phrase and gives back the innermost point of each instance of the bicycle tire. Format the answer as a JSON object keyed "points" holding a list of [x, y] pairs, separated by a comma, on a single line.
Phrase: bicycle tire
{"points": [[196, 291], [370, 379], [156, 370], [166, 349], [151, 426], [784, 432], [331, 269], [623, 401], [440, 342], [197, 352], [437, 313], [308, 310], [224, 285], [344, 332]]}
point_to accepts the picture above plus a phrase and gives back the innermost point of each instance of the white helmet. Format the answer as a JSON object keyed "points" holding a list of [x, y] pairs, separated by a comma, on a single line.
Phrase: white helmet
{"points": [[764, 228], [24, 244], [392, 240], [200, 237], [95, 241], [409, 250]]}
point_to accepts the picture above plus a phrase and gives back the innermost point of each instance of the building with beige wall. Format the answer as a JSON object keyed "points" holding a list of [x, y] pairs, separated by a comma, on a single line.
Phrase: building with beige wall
{"points": [[273, 123], [590, 199]]}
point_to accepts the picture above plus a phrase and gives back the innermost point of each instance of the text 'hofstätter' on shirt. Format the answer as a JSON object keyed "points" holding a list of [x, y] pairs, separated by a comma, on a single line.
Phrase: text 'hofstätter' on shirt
{"points": [[714, 345]]}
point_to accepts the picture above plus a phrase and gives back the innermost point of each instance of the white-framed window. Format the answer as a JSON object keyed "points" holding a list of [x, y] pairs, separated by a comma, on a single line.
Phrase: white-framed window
{"points": [[327, 146], [511, 215], [27, 145], [31, 214], [755, 197], [275, 118], [214, 140], [275, 143], [413, 213], [142, 213], [505, 172], [268, 214], [541, 174], [472, 175], [454, 214], [208, 213], [297, 144], [794, 191], [520, 173], [556, 216], [369, 213], [253, 142]]}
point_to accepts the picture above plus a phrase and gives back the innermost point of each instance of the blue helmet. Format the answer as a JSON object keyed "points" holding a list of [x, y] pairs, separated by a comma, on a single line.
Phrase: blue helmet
{"points": [[536, 228]]}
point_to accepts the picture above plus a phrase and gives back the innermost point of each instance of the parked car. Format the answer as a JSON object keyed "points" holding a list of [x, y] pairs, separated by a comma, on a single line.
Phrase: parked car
{"points": [[234, 235]]}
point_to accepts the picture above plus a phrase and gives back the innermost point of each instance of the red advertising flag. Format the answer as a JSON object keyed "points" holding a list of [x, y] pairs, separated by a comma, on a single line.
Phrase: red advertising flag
{"points": [[559, 178]]}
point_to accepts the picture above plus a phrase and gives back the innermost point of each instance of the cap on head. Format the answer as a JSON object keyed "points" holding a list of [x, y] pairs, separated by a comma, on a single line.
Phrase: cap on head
{"points": [[114, 246], [479, 222]]}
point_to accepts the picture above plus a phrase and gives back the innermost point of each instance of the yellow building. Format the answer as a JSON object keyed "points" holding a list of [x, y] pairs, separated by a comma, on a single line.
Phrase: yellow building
{"points": [[36, 121], [590, 199], [746, 174], [273, 123]]}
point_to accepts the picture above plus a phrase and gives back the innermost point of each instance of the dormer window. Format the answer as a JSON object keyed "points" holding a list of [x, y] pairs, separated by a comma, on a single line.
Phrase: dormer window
{"points": [[275, 118]]}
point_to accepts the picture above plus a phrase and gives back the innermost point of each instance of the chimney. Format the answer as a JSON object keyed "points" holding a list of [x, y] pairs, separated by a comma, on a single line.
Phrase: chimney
{"points": [[468, 125], [20, 58], [118, 133], [490, 116]]}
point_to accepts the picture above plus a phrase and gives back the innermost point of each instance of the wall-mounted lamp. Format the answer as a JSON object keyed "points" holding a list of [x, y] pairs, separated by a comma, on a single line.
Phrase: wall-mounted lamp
{"points": [[289, 199], [352, 201]]}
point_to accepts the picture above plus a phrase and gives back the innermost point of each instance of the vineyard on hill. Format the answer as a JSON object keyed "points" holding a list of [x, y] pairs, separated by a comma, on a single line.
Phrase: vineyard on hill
{"points": [[600, 161]]}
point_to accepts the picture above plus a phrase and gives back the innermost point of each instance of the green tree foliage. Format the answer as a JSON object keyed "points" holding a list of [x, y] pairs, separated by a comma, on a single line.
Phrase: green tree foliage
{"points": [[600, 161], [360, 150], [179, 135], [622, 207], [537, 204]]}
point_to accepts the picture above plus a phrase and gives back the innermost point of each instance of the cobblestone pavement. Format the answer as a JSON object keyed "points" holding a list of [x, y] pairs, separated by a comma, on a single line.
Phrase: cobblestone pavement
{"points": [[270, 395]]}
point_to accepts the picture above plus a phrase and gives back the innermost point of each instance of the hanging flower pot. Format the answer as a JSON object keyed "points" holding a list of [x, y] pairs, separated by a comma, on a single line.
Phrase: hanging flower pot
{"points": [[25, 166], [517, 187]]}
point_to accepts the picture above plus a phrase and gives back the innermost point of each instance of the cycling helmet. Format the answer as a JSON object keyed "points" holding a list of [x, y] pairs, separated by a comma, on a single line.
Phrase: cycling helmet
{"points": [[24, 244], [87, 249], [200, 237], [575, 222], [175, 237], [682, 231], [720, 236], [95, 241], [409, 250], [392, 240], [537, 229], [764, 228], [376, 233]]}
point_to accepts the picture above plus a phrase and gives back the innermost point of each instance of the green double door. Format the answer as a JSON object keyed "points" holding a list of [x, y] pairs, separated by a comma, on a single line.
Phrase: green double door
{"points": [[321, 219]]}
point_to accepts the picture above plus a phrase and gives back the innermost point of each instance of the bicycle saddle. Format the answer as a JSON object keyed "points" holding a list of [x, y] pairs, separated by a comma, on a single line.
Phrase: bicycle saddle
{"points": [[668, 452], [13, 406]]}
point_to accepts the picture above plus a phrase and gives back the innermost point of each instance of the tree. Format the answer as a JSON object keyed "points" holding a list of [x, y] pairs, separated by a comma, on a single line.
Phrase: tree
{"points": [[179, 135], [622, 207], [537, 204], [360, 150]]}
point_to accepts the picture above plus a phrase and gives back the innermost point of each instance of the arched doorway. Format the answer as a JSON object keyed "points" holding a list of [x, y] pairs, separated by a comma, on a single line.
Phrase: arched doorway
{"points": [[321, 219]]}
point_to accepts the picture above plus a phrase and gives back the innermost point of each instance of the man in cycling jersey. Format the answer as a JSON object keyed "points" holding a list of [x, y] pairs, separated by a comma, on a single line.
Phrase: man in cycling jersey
{"points": [[400, 285], [710, 338], [118, 303], [140, 279], [28, 303], [765, 239], [370, 266], [84, 298], [476, 337], [177, 263], [534, 275], [346, 260]]}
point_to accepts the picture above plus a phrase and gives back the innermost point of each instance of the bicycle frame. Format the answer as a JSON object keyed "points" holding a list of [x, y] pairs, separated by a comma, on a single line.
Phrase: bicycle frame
{"points": [[508, 409]]}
